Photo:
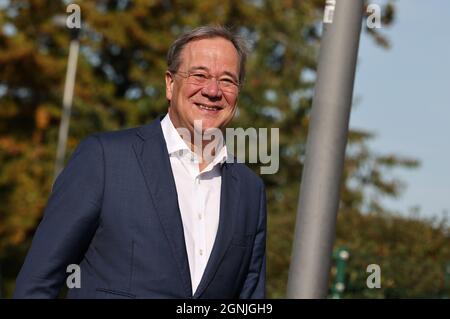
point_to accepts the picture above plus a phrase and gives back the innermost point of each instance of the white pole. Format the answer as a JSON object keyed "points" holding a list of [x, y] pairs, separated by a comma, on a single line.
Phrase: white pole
{"points": [[67, 105]]}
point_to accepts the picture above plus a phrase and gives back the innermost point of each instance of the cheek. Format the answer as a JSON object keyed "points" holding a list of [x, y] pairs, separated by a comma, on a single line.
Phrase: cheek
{"points": [[231, 100], [188, 92]]}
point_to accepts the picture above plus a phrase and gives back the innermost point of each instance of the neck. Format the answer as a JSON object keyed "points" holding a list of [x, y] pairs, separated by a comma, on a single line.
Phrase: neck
{"points": [[206, 151], [205, 146]]}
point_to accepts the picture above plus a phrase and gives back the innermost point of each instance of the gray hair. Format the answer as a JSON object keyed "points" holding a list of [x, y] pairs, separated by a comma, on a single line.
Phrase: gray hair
{"points": [[207, 32]]}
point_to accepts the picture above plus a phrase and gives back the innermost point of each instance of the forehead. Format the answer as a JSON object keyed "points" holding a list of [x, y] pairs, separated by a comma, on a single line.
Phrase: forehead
{"points": [[216, 54]]}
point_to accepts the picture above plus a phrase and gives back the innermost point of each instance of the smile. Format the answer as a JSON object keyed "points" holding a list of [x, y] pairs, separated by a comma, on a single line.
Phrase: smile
{"points": [[208, 107]]}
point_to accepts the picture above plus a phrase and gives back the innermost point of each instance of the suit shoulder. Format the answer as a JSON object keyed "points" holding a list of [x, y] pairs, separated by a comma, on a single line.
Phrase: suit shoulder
{"points": [[124, 135], [116, 140]]}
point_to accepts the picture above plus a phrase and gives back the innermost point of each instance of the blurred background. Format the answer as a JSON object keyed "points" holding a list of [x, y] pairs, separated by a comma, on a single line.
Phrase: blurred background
{"points": [[396, 182]]}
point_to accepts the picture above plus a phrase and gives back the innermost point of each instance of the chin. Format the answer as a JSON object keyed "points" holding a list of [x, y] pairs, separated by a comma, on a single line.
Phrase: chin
{"points": [[208, 122], [206, 125]]}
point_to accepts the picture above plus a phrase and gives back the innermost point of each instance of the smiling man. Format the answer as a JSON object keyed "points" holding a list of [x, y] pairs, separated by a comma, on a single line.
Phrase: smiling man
{"points": [[144, 212]]}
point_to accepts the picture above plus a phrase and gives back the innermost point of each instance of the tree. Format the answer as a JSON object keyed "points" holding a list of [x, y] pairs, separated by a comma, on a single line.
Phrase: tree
{"points": [[411, 252]]}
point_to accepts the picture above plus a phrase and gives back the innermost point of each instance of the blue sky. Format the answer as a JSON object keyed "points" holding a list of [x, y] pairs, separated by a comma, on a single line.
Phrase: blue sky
{"points": [[404, 98]]}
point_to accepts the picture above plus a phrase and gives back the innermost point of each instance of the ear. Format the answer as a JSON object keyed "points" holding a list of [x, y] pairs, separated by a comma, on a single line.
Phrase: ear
{"points": [[169, 85]]}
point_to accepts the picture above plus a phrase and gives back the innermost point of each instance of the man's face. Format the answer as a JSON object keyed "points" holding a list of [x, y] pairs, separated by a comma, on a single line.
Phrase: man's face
{"points": [[209, 103]]}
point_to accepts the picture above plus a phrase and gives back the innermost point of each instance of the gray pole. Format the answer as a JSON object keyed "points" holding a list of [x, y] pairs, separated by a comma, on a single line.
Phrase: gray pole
{"points": [[1, 282], [67, 105], [325, 151]]}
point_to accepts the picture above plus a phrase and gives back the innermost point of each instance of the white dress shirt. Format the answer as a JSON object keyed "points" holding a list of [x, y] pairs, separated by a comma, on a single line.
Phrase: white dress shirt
{"points": [[198, 198]]}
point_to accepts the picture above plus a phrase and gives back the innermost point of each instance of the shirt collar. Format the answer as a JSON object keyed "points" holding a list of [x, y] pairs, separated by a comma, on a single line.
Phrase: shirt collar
{"points": [[174, 141]]}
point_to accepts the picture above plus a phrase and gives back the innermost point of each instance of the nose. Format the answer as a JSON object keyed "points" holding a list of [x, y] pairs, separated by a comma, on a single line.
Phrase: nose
{"points": [[212, 89]]}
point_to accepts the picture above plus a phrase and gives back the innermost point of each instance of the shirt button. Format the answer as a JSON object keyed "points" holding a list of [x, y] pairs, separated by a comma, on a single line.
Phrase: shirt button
{"points": [[199, 216], [201, 252]]}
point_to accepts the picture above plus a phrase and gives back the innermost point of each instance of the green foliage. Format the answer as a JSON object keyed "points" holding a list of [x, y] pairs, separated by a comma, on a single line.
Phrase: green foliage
{"points": [[120, 84], [411, 253]]}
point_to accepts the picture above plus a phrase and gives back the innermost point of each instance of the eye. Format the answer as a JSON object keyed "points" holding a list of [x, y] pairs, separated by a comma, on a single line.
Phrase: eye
{"points": [[199, 75], [227, 81]]}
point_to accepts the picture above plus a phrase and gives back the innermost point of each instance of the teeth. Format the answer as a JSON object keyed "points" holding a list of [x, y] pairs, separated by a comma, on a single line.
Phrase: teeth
{"points": [[210, 108]]}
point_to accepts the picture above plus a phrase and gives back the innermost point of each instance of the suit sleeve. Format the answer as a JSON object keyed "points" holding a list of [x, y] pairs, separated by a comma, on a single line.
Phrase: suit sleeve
{"points": [[255, 284], [69, 223]]}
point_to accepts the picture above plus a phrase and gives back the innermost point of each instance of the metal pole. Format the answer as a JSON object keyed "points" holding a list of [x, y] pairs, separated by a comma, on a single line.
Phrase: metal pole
{"points": [[67, 105], [1, 282], [325, 151]]}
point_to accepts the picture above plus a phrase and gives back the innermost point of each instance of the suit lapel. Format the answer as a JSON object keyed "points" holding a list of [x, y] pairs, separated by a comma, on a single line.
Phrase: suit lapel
{"points": [[151, 152], [229, 200]]}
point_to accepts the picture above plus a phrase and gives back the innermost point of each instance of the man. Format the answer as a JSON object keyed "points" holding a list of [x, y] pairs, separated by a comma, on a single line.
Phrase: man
{"points": [[144, 212]]}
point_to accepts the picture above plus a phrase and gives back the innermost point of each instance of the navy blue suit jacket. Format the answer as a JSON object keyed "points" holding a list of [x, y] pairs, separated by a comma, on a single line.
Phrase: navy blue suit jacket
{"points": [[114, 212]]}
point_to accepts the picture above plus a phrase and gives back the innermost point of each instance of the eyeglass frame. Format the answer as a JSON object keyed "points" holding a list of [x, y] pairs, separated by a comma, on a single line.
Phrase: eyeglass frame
{"points": [[208, 78]]}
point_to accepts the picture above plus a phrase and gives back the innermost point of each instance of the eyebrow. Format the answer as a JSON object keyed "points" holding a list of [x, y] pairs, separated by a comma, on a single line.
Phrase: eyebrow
{"points": [[195, 68]]}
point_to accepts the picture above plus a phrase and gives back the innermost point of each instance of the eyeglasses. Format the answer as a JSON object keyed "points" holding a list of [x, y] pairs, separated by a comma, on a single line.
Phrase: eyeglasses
{"points": [[203, 78]]}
